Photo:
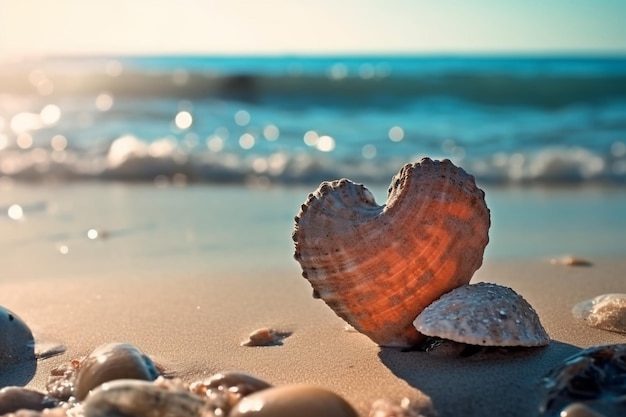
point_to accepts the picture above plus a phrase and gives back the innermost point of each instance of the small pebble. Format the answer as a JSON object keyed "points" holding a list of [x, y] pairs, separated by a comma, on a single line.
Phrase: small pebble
{"points": [[579, 410], [16, 340], [18, 398], [294, 400], [570, 260]]}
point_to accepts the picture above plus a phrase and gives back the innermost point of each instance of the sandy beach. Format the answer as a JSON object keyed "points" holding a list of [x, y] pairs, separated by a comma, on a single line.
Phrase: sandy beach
{"points": [[182, 292]]}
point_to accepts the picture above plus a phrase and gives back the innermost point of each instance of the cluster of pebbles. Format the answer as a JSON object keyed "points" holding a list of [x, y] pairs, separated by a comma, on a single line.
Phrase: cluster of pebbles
{"points": [[119, 380]]}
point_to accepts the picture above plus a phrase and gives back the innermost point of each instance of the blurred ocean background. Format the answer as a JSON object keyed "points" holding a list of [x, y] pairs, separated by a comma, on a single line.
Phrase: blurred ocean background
{"points": [[190, 162], [291, 120]]}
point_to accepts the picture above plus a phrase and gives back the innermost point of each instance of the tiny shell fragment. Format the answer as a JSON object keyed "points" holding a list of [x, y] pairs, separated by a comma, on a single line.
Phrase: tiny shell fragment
{"points": [[294, 400], [607, 312], [483, 314], [405, 408], [266, 337], [571, 260]]}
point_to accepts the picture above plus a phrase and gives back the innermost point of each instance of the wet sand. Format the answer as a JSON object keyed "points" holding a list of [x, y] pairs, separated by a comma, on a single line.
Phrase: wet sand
{"points": [[193, 322]]}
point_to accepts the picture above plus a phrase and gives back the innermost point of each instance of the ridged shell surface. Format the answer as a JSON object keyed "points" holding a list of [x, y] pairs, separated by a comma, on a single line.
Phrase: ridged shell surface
{"points": [[379, 266], [483, 314]]}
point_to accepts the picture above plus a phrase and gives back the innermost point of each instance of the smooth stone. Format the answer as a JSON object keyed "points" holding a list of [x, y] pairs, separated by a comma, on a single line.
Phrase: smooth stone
{"points": [[16, 340], [294, 400], [17, 398], [579, 410], [110, 362]]}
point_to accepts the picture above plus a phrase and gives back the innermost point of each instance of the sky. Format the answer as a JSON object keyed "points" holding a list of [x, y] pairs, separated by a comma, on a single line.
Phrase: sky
{"points": [[275, 27]]}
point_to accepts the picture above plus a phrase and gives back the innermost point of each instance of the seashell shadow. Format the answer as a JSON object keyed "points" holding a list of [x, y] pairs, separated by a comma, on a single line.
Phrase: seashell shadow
{"points": [[478, 382]]}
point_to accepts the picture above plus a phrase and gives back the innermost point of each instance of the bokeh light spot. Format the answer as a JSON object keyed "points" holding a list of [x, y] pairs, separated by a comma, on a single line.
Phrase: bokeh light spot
{"points": [[259, 165], [183, 120], [50, 114], [311, 137], [271, 132], [246, 141], [215, 143], [24, 121], [104, 101], [338, 71], [396, 134], [24, 140], [92, 234], [326, 143], [15, 212], [242, 118], [368, 151]]}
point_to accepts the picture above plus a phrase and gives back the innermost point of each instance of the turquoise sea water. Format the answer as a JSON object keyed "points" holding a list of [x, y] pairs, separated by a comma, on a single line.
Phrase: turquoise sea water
{"points": [[300, 120]]}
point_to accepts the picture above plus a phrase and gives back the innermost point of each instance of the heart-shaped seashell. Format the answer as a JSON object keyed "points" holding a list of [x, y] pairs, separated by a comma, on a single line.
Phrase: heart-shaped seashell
{"points": [[379, 266]]}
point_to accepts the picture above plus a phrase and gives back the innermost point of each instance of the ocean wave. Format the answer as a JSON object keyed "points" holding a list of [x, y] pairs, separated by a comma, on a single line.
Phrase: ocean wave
{"points": [[129, 159], [542, 90]]}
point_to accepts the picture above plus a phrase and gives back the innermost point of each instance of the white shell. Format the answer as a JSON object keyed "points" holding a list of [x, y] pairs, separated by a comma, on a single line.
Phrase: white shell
{"points": [[607, 312], [483, 314], [19, 398]]}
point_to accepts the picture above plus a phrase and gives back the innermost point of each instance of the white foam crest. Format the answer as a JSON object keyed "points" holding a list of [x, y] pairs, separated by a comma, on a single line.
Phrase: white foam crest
{"points": [[129, 158], [549, 165]]}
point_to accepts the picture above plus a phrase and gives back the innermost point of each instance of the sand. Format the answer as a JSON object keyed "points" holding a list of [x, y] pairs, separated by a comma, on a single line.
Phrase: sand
{"points": [[193, 323], [186, 274]]}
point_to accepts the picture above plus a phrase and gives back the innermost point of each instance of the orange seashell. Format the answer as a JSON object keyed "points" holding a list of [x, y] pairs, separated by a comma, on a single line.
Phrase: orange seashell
{"points": [[379, 266]]}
